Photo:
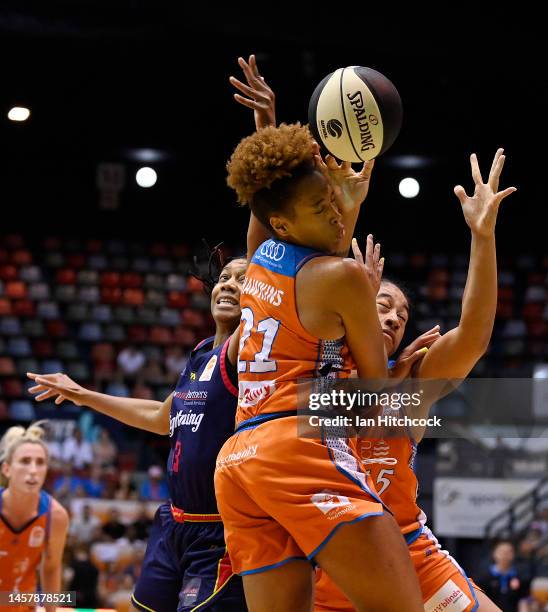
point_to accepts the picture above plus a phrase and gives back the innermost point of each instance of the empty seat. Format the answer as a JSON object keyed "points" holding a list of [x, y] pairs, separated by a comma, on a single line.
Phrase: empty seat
{"points": [[116, 247], [194, 285], [163, 265], [97, 262], [177, 299], [120, 263], [180, 251], [200, 301], [4, 411], [103, 352], [160, 335], [137, 333], [109, 279], [133, 297], [535, 293], [76, 260], [10, 326], [78, 370], [132, 280], [169, 316], [124, 314], [16, 290], [52, 366], [18, 347], [176, 282], [21, 257], [153, 352], [142, 264], [146, 315], [38, 291], [27, 365], [12, 387], [158, 249], [111, 295], [94, 246], [192, 318], [30, 274]]}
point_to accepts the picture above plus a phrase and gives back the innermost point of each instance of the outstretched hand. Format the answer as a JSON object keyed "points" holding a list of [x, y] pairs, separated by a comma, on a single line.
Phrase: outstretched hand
{"points": [[373, 264], [59, 386], [260, 96]]}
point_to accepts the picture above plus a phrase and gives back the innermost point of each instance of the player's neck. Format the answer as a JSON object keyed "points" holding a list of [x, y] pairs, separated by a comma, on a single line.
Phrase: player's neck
{"points": [[18, 504], [222, 333]]}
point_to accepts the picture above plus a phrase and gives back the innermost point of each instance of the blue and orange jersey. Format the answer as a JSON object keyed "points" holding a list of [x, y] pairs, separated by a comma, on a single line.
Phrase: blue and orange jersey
{"points": [[276, 351], [21, 549], [390, 463], [202, 417]]}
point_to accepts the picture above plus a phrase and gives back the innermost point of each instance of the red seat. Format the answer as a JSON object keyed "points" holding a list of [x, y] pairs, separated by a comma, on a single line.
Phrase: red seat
{"points": [[16, 290], [4, 256], [94, 246], [56, 329], [7, 366], [5, 307], [109, 279], [3, 410], [192, 318], [533, 311], [42, 348], [505, 310], [52, 244], [185, 337], [76, 260], [12, 387], [179, 250], [14, 241], [160, 335], [65, 276], [194, 285], [21, 257], [111, 295], [177, 299], [132, 280], [159, 249], [24, 308], [8, 273], [102, 351], [133, 297], [137, 333], [537, 329]]}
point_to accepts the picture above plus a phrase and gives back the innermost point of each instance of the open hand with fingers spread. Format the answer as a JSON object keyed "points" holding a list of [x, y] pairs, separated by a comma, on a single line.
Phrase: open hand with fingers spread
{"points": [[350, 187], [260, 96], [480, 210], [373, 264], [59, 386]]}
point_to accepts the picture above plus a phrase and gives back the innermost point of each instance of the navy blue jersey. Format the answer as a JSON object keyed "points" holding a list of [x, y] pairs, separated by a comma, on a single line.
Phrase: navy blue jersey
{"points": [[202, 418]]}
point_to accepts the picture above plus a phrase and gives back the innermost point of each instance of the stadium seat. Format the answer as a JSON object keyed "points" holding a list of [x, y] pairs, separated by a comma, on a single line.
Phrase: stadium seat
{"points": [[137, 333], [3, 410], [21, 410], [27, 364], [7, 366], [124, 314], [47, 310], [78, 370], [154, 281], [169, 316], [177, 299], [39, 291], [16, 290], [24, 308], [90, 332], [42, 348], [12, 387], [65, 293], [10, 326], [155, 298], [141, 264], [5, 307], [97, 262], [120, 263], [114, 333], [89, 294], [65, 276], [66, 349], [33, 328], [87, 277], [110, 279], [30, 274], [160, 335], [132, 280], [21, 257], [101, 313], [175, 282], [54, 260], [52, 366], [163, 265], [78, 312], [103, 351], [76, 260], [111, 295], [146, 315], [56, 329], [133, 297]]}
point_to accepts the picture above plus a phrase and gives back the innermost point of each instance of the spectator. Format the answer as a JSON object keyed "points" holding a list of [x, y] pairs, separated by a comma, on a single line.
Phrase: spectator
{"points": [[126, 489], [77, 451], [113, 529], [130, 361], [67, 486], [85, 529], [154, 488], [104, 450], [538, 599], [84, 578], [175, 363], [503, 584], [94, 486]]}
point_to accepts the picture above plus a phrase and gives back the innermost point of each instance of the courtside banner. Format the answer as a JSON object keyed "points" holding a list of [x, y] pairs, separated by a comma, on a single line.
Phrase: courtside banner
{"points": [[417, 408], [464, 506]]}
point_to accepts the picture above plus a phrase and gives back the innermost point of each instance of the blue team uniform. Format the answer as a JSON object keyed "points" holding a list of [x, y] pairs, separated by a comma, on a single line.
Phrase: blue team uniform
{"points": [[186, 566]]}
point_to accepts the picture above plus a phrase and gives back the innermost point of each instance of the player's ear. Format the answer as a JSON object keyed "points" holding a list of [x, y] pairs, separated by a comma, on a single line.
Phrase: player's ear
{"points": [[5, 469], [279, 225]]}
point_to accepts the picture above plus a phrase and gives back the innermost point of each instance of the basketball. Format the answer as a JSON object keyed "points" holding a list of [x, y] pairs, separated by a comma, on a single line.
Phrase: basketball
{"points": [[355, 113]]}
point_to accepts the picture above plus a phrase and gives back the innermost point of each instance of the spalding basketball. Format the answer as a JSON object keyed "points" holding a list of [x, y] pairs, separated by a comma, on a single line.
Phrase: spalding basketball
{"points": [[356, 113]]}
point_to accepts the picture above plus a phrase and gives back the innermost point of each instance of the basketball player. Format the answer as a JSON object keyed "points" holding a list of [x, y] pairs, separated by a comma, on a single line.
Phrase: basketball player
{"points": [[390, 460], [289, 501], [33, 525]]}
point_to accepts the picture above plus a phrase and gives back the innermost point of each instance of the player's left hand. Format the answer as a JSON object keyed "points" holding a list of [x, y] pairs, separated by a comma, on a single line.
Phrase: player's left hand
{"points": [[413, 353], [373, 264], [260, 96], [480, 210], [350, 187]]}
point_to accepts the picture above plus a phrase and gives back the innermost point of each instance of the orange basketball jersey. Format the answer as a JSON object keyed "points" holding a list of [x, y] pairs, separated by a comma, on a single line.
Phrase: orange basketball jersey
{"points": [[21, 549], [275, 349]]}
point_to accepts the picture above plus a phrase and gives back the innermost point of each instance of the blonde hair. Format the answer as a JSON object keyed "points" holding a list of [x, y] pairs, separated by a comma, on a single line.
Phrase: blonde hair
{"points": [[15, 436]]}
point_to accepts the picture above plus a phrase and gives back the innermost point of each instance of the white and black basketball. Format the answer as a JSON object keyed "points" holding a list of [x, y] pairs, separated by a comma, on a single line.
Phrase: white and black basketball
{"points": [[355, 113]]}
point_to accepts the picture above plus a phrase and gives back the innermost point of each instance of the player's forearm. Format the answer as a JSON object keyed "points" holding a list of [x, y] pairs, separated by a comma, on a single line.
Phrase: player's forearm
{"points": [[479, 302], [50, 582], [349, 220], [140, 413]]}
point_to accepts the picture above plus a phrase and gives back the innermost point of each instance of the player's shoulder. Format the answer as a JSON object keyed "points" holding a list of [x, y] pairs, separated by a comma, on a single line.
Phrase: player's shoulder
{"points": [[332, 271]]}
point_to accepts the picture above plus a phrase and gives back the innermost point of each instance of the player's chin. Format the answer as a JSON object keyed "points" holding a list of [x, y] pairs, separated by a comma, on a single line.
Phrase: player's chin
{"points": [[226, 312]]}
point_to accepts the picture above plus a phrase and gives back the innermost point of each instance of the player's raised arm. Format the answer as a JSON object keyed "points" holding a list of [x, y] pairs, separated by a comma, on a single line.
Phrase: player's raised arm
{"points": [[457, 351], [149, 415]]}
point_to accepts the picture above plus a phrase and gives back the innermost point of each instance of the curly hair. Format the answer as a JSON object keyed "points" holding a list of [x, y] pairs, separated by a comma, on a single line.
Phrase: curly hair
{"points": [[17, 435], [264, 165]]}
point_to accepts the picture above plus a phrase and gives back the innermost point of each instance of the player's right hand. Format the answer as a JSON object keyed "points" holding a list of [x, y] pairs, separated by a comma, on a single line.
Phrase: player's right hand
{"points": [[260, 96], [57, 385]]}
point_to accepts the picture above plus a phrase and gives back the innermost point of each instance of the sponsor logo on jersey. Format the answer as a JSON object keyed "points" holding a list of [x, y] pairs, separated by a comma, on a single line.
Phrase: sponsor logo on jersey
{"points": [[449, 597], [193, 376], [237, 458], [331, 503], [263, 291], [190, 395], [208, 370], [272, 250], [36, 537], [250, 393], [185, 418]]}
